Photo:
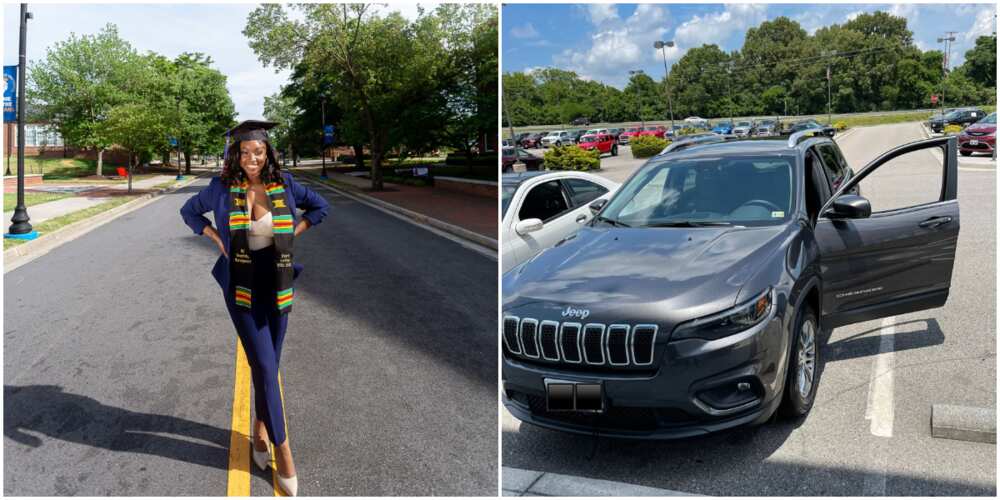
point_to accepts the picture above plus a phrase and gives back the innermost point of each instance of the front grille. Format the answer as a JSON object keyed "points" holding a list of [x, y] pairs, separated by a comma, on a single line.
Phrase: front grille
{"points": [[592, 344]]}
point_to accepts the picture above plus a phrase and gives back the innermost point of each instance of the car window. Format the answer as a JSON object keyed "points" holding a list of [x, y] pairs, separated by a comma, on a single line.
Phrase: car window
{"points": [[834, 169], [545, 201], [583, 192]]}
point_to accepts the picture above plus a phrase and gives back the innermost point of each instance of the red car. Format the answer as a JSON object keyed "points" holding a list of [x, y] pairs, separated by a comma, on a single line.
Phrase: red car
{"points": [[658, 131], [604, 143], [627, 135], [980, 137]]}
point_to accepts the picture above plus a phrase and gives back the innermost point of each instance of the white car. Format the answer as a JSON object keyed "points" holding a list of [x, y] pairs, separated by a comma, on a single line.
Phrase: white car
{"points": [[743, 128], [542, 208], [557, 138]]}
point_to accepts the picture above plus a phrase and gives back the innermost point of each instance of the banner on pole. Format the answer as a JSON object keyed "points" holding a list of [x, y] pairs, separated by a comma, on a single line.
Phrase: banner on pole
{"points": [[327, 134], [9, 93]]}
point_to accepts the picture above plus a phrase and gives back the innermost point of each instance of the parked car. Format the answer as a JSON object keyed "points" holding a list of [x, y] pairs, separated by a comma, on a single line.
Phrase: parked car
{"points": [[743, 128], [533, 140], [603, 143], [627, 135], [597, 131], [577, 134], [654, 130], [557, 138], [538, 209], [580, 121], [960, 117], [699, 297], [766, 128], [723, 128], [520, 137], [980, 137], [696, 122], [615, 132], [809, 124], [531, 162]]}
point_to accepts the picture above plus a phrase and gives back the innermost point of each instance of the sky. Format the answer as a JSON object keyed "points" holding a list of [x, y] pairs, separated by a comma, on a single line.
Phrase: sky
{"points": [[603, 42], [169, 30]]}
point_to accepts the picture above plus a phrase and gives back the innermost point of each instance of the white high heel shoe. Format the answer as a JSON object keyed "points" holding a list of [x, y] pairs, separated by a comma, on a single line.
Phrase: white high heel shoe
{"points": [[262, 458], [289, 484]]}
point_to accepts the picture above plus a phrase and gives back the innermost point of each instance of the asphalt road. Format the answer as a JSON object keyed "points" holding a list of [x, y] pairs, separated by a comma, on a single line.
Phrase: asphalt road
{"points": [[869, 430], [119, 362]]}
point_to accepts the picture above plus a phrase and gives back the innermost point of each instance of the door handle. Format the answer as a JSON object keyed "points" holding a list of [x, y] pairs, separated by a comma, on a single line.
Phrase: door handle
{"points": [[935, 222], [581, 218]]}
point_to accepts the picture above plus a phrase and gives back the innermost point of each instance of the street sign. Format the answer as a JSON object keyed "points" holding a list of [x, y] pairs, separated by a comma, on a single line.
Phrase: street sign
{"points": [[933, 98], [10, 93], [328, 134], [173, 142]]}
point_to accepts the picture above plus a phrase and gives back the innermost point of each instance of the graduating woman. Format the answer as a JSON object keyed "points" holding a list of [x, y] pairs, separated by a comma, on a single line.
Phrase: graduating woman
{"points": [[254, 205]]}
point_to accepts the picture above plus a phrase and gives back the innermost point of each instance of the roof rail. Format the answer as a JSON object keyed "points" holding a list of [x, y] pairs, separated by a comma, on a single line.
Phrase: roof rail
{"points": [[797, 137]]}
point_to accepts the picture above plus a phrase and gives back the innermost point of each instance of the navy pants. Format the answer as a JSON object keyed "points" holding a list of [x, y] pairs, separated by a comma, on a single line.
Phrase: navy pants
{"points": [[262, 330]]}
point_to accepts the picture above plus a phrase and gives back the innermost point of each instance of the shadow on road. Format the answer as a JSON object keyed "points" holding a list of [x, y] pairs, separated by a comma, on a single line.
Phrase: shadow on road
{"points": [[47, 410], [859, 345]]}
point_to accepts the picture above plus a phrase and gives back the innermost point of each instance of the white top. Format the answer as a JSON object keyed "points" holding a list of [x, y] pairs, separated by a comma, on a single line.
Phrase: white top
{"points": [[261, 234]]}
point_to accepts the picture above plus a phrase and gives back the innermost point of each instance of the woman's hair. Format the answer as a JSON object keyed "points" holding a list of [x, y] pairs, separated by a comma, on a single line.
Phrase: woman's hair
{"points": [[232, 172]]}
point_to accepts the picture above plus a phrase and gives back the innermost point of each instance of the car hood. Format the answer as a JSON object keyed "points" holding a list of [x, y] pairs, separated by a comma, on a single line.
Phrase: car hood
{"points": [[632, 274], [981, 127], [589, 143]]}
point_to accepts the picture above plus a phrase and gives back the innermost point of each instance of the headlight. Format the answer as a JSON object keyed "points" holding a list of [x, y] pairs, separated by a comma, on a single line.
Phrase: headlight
{"points": [[728, 322]]}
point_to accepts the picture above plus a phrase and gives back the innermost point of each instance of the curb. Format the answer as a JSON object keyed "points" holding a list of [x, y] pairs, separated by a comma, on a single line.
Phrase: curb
{"points": [[521, 482], [20, 255], [452, 229], [845, 133], [964, 423]]}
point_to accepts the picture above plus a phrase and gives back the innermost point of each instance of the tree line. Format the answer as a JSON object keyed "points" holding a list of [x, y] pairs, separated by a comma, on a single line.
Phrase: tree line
{"points": [[99, 92], [873, 62], [388, 83]]}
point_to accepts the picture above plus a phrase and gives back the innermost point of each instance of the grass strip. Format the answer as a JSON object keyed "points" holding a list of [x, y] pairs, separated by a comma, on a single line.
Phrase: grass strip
{"points": [[31, 199], [57, 223]]}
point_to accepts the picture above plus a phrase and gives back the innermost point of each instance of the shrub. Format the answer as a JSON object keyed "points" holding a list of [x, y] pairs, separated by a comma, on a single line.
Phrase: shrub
{"points": [[687, 131], [572, 157], [840, 125], [952, 129], [645, 146]]}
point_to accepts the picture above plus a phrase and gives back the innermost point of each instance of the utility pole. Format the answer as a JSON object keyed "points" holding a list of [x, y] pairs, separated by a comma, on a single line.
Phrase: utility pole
{"points": [[947, 39], [662, 45], [21, 228], [730, 81], [517, 166], [322, 153], [829, 94], [638, 97]]}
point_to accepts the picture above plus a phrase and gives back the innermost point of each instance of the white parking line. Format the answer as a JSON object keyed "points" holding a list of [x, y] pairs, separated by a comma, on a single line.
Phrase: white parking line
{"points": [[880, 385]]}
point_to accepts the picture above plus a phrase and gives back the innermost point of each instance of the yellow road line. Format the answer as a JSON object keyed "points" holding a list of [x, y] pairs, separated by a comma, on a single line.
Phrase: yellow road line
{"points": [[239, 441], [274, 470]]}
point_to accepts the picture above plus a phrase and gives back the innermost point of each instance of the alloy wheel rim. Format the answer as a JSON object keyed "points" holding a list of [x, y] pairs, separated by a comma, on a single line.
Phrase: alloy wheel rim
{"points": [[806, 359]]}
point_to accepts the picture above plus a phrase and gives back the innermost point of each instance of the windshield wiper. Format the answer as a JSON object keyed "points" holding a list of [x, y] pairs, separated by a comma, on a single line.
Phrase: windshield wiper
{"points": [[690, 223], [611, 221]]}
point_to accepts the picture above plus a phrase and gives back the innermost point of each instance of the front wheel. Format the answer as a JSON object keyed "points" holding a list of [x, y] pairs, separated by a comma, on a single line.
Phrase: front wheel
{"points": [[614, 150], [966, 153], [800, 384]]}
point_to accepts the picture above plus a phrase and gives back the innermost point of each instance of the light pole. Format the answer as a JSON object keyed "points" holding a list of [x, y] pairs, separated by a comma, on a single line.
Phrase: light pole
{"points": [[638, 98], [21, 228], [829, 94], [662, 45], [947, 39], [322, 152], [517, 166], [729, 79]]}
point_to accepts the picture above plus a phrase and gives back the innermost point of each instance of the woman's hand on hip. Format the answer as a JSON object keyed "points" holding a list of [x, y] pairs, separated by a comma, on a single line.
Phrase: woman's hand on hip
{"points": [[214, 235], [301, 227]]}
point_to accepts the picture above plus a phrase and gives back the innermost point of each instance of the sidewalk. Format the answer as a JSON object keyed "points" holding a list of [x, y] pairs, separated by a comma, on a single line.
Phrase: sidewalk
{"points": [[521, 482], [474, 213], [86, 196]]}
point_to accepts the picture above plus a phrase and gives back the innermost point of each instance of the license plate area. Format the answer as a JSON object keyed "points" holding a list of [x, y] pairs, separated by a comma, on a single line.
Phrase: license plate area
{"points": [[570, 396], [974, 142]]}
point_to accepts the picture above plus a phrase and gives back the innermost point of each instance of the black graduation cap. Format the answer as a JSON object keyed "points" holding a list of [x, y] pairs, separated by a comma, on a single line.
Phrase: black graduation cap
{"points": [[250, 130]]}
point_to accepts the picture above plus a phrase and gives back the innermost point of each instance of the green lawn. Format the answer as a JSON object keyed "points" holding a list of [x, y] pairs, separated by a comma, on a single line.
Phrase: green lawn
{"points": [[59, 168], [58, 222], [10, 199]]}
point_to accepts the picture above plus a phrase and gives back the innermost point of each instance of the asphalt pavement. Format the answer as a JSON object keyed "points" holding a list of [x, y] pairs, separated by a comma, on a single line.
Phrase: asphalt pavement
{"points": [[869, 430], [119, 362]]}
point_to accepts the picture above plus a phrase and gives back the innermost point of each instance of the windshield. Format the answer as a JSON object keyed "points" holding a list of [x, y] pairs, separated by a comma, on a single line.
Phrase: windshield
{"points": [[633, 129], [953, 114], [990, 118], [724, 124], [743, 124], [507, 194], [588, 138], [749, 191], [650, 128]]}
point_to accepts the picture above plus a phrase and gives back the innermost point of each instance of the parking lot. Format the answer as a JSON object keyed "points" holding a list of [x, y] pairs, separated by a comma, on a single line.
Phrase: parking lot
{"points": [[869, 432]]}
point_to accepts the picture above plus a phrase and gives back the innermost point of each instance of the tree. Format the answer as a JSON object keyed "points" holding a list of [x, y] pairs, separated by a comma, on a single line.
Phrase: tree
{"points": [[981, 62], [78, 84], [205, 109], [281, 109]]}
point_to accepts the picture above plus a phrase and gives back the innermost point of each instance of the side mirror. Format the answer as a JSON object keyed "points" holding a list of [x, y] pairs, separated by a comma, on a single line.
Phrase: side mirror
{"points": [[849, 206], [597, 205], [528, 226]]}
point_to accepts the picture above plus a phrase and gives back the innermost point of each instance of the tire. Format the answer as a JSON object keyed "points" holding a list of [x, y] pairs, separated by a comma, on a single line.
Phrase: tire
{"points": [[794, 403], [614, 150], [966, 153]]}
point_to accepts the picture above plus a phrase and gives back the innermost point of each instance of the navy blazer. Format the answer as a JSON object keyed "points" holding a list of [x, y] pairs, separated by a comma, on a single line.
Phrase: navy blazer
{"points": [[215, 197]]}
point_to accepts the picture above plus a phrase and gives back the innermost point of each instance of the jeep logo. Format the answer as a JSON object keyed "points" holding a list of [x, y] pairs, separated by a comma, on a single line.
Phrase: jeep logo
{"points": [[569, 312]]}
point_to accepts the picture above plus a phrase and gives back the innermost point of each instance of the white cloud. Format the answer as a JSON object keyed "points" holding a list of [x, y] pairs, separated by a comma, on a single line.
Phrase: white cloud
{"points": [[526, 31], [619, 45], [907, 11], [853, 15], [982, 25], [717, 27]]}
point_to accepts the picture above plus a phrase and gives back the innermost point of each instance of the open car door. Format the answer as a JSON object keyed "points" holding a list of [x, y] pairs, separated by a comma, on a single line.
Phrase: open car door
{"points": [[895, 261]]}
